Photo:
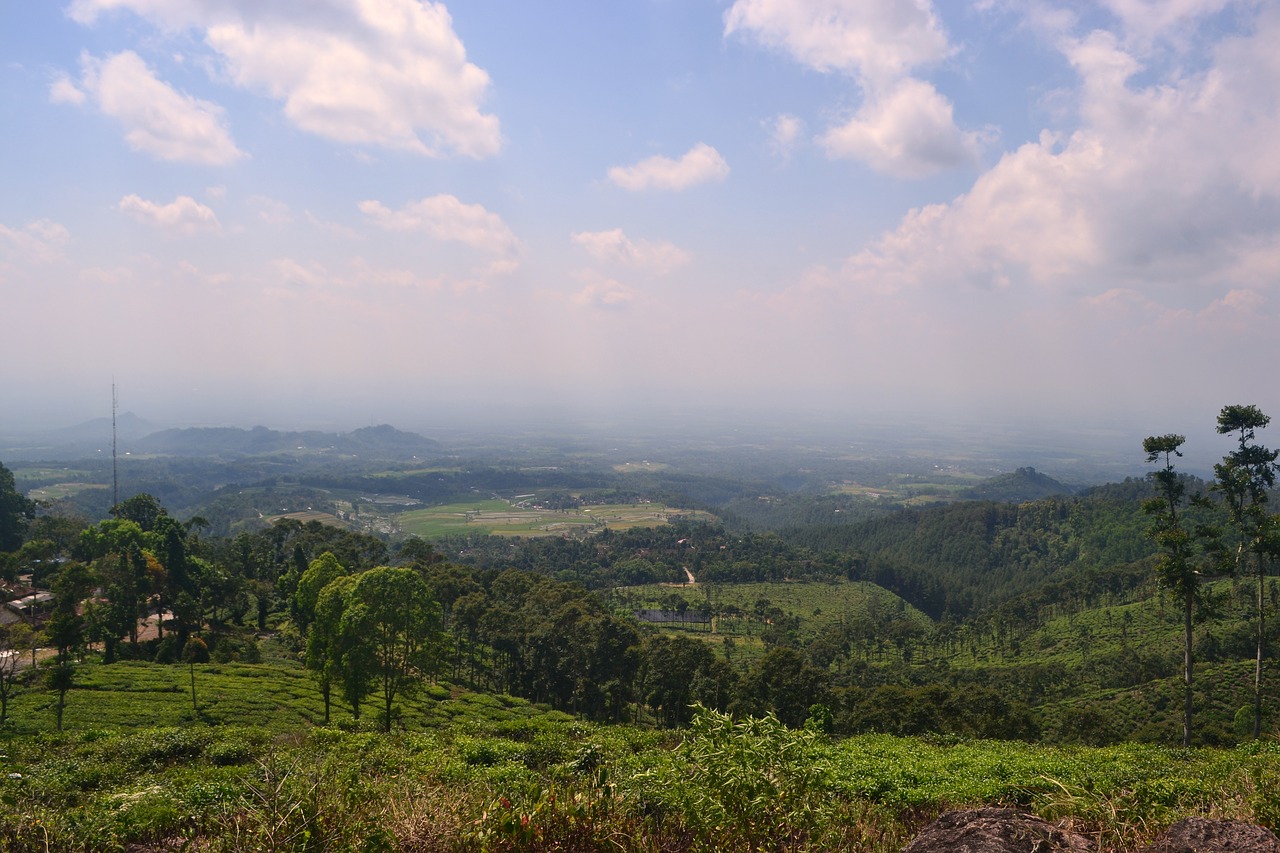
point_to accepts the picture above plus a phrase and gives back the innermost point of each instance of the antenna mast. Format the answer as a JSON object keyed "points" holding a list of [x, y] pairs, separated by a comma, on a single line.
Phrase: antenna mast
{"points": [[115, 471]]}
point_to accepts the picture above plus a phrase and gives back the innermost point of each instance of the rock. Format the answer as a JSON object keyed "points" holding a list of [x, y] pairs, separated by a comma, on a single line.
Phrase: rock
{"points": [[993, 830], [1198, 835]]}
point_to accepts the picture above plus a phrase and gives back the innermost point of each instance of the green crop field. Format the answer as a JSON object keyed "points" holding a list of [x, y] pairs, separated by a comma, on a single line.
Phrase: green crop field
{"points": [[137, 768], [498, 517], [279, 696], [818, 605], [310, 515], [58, 491]]}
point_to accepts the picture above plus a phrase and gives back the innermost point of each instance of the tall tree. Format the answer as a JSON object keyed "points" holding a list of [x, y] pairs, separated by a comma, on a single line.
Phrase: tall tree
{"points": [[1243, 478], [116, 548], [16, 512], [13, 639], [337, 657], [66, 628], [320, 573], [1179, 557], [392, 609], [195, 651], [142, 509]]}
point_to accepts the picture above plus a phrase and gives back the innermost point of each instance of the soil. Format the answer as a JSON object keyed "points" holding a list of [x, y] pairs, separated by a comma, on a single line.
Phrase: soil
{"points": [[1198, 835], [994, 830]]}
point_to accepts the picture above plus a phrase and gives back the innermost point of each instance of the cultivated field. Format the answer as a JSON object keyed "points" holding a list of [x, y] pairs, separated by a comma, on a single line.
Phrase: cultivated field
{"points": [[498, 517]]}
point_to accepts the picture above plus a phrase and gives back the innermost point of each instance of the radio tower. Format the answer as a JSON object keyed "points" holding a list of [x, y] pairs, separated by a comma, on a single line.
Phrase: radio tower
{"points": [[115, 471]]}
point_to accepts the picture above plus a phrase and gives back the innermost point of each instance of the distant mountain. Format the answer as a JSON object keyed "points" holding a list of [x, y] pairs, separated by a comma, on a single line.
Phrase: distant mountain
{"points": [[1025, 484], [91, 439], [380, 442], [129, 427]]}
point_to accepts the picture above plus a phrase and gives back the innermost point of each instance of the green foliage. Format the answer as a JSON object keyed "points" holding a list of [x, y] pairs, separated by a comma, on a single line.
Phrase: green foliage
{"points": [[16, 512], [394, 617], [750, 784], [321, 571]]}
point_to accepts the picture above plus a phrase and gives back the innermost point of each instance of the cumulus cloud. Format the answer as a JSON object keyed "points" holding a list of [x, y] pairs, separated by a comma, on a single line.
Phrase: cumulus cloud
{"points": [[616, 247], [699, 165], [908, 130], [870, 39], [39, 242], [905, 126], [184, 215], [386, 73], [1148, 20], [157, 119], [1166, 198], [63, 91], [444, 217]]}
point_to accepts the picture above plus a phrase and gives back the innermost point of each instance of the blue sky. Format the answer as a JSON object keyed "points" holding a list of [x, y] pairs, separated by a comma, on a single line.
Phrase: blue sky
{"points": [[248, 211]]}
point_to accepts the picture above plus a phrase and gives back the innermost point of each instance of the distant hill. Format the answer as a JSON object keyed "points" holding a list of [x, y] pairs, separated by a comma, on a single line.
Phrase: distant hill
{"points": [[1024, 484], [381, 442], [86, 440], [129, 427]]}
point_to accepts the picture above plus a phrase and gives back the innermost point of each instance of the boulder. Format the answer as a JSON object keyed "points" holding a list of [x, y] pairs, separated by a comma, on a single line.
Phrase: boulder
{"points": [[994, 830], [1199, 835]]}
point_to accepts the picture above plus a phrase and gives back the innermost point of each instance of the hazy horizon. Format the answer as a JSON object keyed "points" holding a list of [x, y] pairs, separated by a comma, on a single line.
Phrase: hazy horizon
{"points": [[1056, 215]]}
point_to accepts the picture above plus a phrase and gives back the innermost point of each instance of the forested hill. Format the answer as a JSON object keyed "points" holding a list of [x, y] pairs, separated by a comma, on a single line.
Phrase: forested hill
{"points": [[965, 558], [1024, 484]]}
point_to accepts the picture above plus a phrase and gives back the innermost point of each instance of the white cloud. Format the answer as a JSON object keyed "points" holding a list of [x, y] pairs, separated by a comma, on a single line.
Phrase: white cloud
{"points": [[615, 247], [603, 294], [39, 242], [1166, 198], [387, 73], [63, 91], [785, 132], [271, 211], [699, 165], [871, 39], [908, 131], [184, 215], [1148, 20], [905, 126], [444, 217], [158, 120]]}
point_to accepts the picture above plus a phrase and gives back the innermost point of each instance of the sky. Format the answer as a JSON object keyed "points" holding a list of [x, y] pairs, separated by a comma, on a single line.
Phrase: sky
{"points": [[281, 211]]}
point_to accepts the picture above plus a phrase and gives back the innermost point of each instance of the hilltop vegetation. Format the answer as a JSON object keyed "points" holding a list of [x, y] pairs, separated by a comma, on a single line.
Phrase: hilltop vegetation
{"points": [[589, 605]]}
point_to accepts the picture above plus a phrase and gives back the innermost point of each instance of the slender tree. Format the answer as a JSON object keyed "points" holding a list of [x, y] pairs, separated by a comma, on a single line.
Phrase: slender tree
{"points": [[66, 629], [337, 658], [1181, 551], [195, 651], [11, 642], [1243, 478]]}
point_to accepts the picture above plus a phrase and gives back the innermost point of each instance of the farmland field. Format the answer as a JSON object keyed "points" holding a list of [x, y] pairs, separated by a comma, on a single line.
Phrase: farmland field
{"points": [[310, 515], [818, 605], [498, 517], [58, 491]]}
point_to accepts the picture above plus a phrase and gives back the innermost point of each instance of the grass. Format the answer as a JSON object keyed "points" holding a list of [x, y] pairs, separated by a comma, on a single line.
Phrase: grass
{"points": [[277, 697], [476, 772], [819, 605]]}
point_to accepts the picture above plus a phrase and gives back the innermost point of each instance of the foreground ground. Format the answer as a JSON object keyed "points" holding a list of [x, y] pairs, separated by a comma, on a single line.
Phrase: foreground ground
{"points": [[253, 770]]}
